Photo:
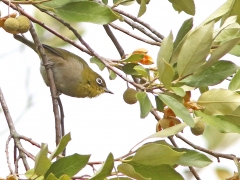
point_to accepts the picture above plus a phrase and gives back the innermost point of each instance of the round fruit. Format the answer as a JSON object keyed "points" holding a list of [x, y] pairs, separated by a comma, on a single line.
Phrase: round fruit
{"points": [[198, 129], [24, 24], [129, 96], [11, 25]]}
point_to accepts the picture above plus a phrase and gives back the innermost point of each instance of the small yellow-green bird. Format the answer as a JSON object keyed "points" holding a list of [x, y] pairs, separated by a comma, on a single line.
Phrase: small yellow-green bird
{"points": [[72, 75]]}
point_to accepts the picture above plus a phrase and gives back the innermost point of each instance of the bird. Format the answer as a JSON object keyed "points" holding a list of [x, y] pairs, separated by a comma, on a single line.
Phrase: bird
{"points": [[72, 75]]}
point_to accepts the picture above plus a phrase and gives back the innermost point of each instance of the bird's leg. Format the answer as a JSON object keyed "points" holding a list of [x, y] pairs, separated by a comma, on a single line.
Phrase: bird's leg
{"points": [[48, 65]]}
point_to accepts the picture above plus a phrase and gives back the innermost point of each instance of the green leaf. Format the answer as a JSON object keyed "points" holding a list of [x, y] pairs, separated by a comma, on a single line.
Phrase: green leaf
{"points": [[51, 177], [193, 158], [219, 101], [145, 103], [235, 82], [128, 170], [178, 91], [96, 61], [129, 69], [169, 131], [221, 51], [142, 9], [166, 172], [121, 178], [234, 10], [105, 2], [134, 58], [30, 174], [185, 28], [159, 104], [227, 34], [216, 15], [105, 170], [231, 118], [64, 177], [122, 2], [165, 70], [143, 71], [166, 73], [213, 75], [153, 154], [86, 11], [61, 146], [166, 50], [178, 108], [194, 50], [203, 89], [229, 23], [69, 165], [187, 6], [53, 4], [42, 162], [222, 125], [235, 51], [112, 75]]}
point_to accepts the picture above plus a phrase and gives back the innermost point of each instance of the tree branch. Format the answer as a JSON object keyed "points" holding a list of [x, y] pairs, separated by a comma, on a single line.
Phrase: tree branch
{"points": [[12, 129], [140, 22], [115, 41], [134, 36], [215, 154]]}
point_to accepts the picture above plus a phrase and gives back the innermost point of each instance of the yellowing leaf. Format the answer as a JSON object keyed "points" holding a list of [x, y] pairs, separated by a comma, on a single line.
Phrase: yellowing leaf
{"points": [[194, 50], [187, 6], [219, 101], [216, 15], [42, 162], [153, 154], [128, 170]]}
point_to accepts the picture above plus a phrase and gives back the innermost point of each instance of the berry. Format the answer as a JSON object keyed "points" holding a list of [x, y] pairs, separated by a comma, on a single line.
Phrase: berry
{"points": [[11, 25], [198, 129], [24, 24], [129, 96]]}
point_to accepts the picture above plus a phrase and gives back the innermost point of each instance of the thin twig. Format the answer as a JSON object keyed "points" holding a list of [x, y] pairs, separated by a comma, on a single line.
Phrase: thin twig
{"points": [[140, 22], [173, 141], [134, 36], [195, 174], [115, 41], [215, 154], [62, 122], [7, 155], [155, 114], [16, 164], [141, 29], [117, 159], [12, 129]]}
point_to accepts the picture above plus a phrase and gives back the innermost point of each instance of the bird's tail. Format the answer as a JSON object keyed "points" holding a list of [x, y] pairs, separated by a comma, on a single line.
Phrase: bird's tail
{"points": [[25, 41]]}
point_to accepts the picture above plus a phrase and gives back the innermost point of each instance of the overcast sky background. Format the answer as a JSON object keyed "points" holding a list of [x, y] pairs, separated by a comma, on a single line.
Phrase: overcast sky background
{"points": [[99, 125]]}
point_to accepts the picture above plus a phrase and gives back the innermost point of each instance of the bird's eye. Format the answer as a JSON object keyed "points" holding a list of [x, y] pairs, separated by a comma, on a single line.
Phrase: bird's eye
{"points": [[99, 81]]}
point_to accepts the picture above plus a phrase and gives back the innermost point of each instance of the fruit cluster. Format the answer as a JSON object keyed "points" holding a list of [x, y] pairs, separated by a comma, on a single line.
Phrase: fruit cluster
{"points": [[13, 25], [169, 119]]}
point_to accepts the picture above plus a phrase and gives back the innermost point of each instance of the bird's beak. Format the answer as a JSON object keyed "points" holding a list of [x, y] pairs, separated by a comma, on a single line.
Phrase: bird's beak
{"points": [[107, 91]]}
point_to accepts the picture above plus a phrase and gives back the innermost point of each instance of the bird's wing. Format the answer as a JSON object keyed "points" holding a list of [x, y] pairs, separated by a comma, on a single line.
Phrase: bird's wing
{"points": [[55, 51]]}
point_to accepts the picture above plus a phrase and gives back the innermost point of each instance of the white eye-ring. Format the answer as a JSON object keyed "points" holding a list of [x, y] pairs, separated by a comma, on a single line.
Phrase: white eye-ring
{"points": [[99, 81]]}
